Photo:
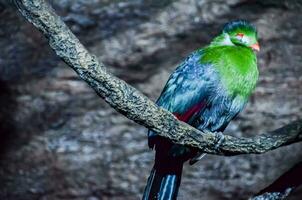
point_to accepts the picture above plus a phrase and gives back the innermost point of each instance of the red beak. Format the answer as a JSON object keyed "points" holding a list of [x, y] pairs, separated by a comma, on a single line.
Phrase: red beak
{"points": [[255, 46]]}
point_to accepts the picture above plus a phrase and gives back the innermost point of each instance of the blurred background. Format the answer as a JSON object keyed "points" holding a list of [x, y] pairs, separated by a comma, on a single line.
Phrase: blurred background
{"points": [[59, 140]]}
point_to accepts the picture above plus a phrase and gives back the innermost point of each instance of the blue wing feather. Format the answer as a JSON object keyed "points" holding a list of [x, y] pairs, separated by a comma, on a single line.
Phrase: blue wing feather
{"points": [[191, 83]]}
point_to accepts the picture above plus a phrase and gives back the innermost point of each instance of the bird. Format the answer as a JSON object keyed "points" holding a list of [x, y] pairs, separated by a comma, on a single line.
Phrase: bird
{"points": [[207, 90]]}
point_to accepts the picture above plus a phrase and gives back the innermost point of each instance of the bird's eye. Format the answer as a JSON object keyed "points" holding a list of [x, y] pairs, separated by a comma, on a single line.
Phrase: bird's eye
{"points": [[239, 35], [242, 38]]}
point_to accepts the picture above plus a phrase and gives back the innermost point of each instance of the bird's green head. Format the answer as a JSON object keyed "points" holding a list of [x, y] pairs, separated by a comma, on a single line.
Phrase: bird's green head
{"points": [[241, 32], [238, 33]]}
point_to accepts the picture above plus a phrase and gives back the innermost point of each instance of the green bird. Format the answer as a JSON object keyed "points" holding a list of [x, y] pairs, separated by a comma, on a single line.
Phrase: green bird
{"points": [[207, 90]]}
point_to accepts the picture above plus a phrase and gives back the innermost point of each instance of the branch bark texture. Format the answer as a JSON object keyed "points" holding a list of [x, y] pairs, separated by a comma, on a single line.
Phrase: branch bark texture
{"points": [[133, 104]]}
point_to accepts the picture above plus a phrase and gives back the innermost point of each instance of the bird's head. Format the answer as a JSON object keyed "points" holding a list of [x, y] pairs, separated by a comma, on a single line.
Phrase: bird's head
{"points": [[241, 32]]}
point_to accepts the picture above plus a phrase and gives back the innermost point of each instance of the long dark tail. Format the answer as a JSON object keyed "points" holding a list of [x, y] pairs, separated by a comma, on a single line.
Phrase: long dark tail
{"points": [[165, 177], [162, 186]]}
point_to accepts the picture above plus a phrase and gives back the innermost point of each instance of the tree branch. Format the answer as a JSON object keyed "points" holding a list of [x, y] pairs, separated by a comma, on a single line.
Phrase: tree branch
{"points": [[133, 104], [283, 186]]}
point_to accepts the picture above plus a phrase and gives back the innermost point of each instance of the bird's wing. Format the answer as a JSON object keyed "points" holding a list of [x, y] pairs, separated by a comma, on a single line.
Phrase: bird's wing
{"points": [[188, 88]]}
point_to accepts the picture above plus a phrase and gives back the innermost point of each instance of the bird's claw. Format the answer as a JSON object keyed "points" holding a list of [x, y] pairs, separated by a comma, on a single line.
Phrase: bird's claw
{"points": [[219, 138]]}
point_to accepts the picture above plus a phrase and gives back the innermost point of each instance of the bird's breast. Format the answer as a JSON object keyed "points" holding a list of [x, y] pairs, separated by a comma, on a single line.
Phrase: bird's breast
{"points": [[237, 68]]}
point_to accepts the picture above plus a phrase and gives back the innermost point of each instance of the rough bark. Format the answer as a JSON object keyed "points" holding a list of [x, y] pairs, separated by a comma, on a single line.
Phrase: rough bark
{"points": [[134, 105]]}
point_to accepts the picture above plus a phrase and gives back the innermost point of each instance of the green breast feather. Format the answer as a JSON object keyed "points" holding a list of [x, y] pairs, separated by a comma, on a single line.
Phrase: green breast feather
{"points": [[237, 67]]}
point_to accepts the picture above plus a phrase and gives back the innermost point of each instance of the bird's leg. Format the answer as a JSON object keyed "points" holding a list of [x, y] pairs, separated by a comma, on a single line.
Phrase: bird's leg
{"points": [[219, 137]]}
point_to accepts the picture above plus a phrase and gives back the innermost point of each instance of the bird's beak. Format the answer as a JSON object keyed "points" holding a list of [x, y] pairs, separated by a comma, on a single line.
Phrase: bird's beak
{"points": [[255, 46]]}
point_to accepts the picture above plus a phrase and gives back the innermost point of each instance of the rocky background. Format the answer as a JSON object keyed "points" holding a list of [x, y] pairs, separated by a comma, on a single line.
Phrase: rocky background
{"points": [[61, 141]]}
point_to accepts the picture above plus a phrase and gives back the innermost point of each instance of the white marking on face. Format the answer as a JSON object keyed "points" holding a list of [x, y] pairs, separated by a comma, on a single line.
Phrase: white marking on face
{"points": [[243, 38], [227, 40]]}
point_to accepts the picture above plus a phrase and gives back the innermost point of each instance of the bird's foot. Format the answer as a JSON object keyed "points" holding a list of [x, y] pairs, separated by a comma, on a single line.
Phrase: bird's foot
{"points": [[219, 138]]}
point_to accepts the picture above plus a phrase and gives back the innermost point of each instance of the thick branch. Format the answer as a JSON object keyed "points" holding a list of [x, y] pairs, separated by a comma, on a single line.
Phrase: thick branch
{"points": [[134, 105]]}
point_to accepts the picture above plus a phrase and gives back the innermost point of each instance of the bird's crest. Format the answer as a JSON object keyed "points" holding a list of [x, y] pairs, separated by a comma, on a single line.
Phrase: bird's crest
{"points": [[239, 25]]}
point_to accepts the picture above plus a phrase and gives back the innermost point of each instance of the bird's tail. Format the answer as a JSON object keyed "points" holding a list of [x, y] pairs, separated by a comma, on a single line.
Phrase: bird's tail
{"points": [[165, 177], [162, 186]]}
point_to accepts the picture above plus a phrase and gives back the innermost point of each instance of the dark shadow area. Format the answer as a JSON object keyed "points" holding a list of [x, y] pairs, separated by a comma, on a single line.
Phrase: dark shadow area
{"points": [[8, 108]]}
